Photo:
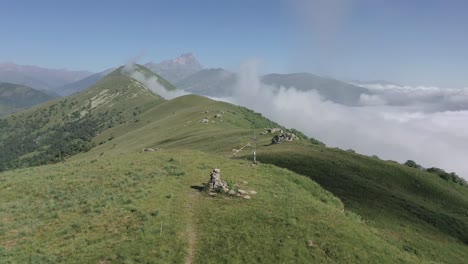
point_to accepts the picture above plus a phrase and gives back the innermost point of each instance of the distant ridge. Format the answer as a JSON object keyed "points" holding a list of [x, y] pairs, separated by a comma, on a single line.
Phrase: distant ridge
{"points": [[82, 84], [330, 89], [209, 82], [38, 77], [14, 97]]}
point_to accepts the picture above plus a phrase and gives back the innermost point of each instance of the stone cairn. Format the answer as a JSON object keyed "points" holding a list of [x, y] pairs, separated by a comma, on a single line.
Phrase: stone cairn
{"points": [[216, 185]]}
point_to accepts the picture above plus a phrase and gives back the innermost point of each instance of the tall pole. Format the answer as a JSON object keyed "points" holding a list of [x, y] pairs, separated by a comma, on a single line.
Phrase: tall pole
{"points": [[254, 149]]}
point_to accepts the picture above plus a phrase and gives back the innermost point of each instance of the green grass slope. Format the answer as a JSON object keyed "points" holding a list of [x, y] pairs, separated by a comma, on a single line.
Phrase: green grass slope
{"points": [[140, 208], [177, 124], [114, 204], [418, 211], [58, 129]]}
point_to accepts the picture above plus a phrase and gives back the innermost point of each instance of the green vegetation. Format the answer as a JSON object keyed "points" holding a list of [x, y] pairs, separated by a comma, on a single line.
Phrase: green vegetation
{"points": [[112, 209], [62, 128], [453, 177], [400, 202], [14, 97], [104, 201]]}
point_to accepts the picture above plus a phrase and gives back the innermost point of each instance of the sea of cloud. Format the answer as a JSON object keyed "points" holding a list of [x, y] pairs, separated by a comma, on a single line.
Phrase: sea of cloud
{"points": [[425, 124]]}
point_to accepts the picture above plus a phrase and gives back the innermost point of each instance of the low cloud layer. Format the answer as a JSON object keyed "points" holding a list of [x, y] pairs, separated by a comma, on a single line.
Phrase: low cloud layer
{"points": [[395, 123], [423, 98], [151, 82]]}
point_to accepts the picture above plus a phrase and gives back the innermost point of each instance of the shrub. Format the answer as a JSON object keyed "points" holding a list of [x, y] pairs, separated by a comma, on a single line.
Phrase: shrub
{"points": [[447, 176], [412, 164], [316, 142]]}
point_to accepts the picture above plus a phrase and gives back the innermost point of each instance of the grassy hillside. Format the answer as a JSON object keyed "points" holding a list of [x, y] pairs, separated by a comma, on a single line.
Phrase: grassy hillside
{"points": [[64, 127], [14, 97], [418, 211], [140, 208], [114, 204]]}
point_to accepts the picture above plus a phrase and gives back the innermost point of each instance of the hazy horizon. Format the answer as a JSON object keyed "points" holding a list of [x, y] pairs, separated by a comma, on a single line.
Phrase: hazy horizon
{"points": [[417, 43]]}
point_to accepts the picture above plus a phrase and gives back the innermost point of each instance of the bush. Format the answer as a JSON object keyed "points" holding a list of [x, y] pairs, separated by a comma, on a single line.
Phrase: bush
{"points": [[447, 176], [412, 164], [316, 142]]}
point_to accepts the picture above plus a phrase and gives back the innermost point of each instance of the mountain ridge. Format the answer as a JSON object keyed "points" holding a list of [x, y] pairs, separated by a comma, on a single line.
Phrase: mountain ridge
{"points": [[38, 77], [14, 97]]}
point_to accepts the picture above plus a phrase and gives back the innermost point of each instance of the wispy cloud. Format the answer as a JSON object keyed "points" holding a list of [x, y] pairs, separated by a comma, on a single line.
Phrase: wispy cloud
{"points": [[151, 82]]}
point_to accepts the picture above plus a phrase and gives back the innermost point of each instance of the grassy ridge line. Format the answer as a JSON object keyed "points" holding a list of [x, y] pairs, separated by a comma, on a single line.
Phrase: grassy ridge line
{"points": [[111, 210], [176, 124]]}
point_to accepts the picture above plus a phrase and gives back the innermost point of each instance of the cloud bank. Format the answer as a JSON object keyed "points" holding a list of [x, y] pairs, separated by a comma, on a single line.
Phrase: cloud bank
{"points": [[424, 98], [395, 123]]}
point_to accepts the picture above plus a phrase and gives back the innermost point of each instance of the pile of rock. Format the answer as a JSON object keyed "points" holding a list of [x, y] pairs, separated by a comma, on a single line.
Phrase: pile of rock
{"points": [[284, 137], [216, 185], [242, 193]]}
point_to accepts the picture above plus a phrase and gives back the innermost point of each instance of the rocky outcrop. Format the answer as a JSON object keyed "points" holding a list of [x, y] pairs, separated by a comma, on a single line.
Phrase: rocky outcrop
{"points": [[284, 137]]}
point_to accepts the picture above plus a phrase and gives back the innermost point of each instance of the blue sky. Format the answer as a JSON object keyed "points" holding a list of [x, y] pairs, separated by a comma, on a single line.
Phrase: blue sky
{"points": [[418, 42]]}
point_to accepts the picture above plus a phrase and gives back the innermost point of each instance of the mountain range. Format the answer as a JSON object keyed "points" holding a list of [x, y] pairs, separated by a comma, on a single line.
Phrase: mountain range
{"points": [[37, 77], [186, 73], [117, 173]]}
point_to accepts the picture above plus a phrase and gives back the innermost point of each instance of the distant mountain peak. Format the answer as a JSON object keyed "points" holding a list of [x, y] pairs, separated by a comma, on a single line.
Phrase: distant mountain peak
{"points": [[186, 59], [178, 68]]}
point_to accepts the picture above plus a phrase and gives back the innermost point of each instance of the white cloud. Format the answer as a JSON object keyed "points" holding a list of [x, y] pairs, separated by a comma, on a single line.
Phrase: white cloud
{"points": [[424, 98], [366, 99], [392, 132]]}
